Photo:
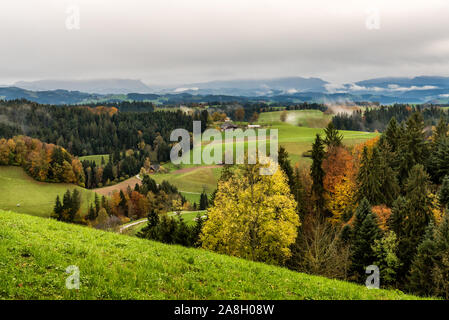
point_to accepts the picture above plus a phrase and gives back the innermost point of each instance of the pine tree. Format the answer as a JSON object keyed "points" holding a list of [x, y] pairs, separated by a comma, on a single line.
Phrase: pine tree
{"points": [[91, 214], [440, 131], [362, 211], [66, 206], [398, 215], [97, 204], [369, 178], [284, 164], [204, 201], [363, 254], [57, 211], [438, 162], [416, 216], [413, 148], [123, 203], [393, 134], [440, 273], [420, 279], [443, 194], [76, 204], [196, 231], [317, 173], [388, 176], [333, 137]]}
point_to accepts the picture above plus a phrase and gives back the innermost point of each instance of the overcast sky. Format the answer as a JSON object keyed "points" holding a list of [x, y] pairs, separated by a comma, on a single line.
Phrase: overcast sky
{"points": [[182, 41]]}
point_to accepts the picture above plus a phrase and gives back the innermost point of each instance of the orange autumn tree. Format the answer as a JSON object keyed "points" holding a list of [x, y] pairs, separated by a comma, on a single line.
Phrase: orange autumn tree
{"points": [[43, 161], [339, 181]]}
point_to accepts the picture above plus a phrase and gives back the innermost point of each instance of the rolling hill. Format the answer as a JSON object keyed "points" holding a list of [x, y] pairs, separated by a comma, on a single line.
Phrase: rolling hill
{"points": [[35, 253], [23, 194]]}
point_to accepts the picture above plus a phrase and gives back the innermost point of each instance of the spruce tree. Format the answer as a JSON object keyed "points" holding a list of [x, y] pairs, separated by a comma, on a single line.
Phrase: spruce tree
{"points": [[204, 201], [443, 194], [413, 148], [91, 214], [317, 173], [97, 204], [57, 210], [369, 178], [333, 137], [284, 164], [123, 204], [363, 209], [416, 216], [365, 237], [66, 206], [76, 204], [440, 131], [440, 273], [393, 134], [420, 279]]}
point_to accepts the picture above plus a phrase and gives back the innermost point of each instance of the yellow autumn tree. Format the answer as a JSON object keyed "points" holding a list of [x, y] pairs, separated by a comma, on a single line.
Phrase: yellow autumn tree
{"points": [[253, 216]]}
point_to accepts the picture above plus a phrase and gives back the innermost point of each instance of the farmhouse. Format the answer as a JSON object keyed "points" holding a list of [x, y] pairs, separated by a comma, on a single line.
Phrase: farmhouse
{"points": [[228, 125]]}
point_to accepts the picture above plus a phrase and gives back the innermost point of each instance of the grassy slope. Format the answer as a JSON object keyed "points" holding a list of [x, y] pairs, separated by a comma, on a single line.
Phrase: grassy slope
{"points": [[192, 181], [35, 252], [36, 198]]}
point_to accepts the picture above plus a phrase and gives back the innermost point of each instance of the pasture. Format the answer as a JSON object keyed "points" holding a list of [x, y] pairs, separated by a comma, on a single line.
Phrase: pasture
{"points": [[23, 194]]}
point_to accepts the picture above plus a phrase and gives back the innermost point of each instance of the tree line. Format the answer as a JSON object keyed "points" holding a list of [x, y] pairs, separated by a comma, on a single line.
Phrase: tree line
{"points": [[376, 119], [85, 131], [42, 161]]}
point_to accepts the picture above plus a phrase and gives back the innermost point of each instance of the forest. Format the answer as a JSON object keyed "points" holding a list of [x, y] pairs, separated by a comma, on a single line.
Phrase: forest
{"points": [[86, 131], [376, 119]]}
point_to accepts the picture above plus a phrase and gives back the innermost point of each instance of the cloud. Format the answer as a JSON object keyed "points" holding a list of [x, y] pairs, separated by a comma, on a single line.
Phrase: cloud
{"points": [[186, 89], [178, 41]]}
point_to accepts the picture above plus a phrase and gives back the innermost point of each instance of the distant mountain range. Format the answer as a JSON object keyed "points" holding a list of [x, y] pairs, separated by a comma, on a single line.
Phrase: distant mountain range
{"points": [[293, 89], [99, 86]]}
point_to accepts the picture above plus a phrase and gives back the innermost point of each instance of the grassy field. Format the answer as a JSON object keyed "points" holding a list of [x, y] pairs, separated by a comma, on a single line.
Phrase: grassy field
{"points": [[96, 158], [192, 181], [35, 253], [307, 118], [36, 198], [296, 140]]}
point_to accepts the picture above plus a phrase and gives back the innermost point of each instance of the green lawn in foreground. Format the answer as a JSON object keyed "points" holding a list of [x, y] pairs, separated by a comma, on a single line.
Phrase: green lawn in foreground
{"points": [[35, 253], [36, 198]]}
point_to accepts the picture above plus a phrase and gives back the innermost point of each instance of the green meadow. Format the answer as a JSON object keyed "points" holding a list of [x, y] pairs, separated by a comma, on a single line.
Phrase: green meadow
{"points": [[35, 253], [96, 158], [23, 194], [296, 139]]}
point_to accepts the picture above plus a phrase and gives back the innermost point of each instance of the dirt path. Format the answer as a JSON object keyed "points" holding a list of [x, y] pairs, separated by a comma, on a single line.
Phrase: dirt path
{"points": [[131, 182], [107, 191], [129, 225]]}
